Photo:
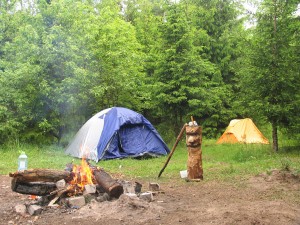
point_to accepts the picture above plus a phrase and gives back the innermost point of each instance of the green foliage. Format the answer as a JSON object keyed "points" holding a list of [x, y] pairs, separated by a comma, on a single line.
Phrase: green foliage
{"points": [[272, 69], [182, 77], [120, 60], [60, 63]]}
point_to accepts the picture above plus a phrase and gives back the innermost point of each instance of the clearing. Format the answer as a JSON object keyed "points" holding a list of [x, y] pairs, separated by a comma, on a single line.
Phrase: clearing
{"points": [[272, 198]]}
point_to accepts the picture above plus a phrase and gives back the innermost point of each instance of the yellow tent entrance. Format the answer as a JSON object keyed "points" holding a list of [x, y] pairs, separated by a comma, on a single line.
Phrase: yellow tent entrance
{"points": [[242, 131]]}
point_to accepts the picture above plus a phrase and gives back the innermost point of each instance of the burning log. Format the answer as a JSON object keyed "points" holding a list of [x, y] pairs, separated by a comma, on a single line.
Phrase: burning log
{"points": [[45, 175], [33, 188], [111, 186]]}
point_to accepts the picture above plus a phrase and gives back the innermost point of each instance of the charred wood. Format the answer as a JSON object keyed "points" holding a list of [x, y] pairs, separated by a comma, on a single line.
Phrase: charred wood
{"points": [[32, 188]]}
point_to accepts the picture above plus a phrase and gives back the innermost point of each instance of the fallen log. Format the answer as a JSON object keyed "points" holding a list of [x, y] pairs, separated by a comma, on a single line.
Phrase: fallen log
{"points": [[41, 175], [110, 185], [32, 188]]}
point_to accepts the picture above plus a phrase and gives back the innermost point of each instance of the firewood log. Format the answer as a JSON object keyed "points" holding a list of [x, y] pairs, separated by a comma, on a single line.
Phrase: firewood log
{"points": [[32, 188], [41, 175], [110, 185]]}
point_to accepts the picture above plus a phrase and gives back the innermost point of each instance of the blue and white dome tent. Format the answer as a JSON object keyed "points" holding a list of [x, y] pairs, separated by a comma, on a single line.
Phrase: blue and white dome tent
{"points": [[117, 133]]}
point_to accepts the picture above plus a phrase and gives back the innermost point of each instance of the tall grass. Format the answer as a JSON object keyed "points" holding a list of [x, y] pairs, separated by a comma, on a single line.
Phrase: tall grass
{"points": [[38, 157], [220, 162]]}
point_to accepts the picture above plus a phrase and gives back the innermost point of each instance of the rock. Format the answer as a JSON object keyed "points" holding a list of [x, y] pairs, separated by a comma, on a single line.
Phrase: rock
{"points": [[60, 184], [128, 187], [138, 187], [154, 187], [76, 202], [131, 195], [103, 198], [34, 209], [89, 197], [147, 196], [20, 209], [89, 189]]}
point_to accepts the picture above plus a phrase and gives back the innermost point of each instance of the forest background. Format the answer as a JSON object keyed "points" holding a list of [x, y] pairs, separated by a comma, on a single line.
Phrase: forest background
{"points": [[61, 61]]}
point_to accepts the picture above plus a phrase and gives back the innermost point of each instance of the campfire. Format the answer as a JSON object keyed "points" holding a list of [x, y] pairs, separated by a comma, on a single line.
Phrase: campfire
{"points": [[82, 176], [72, 186], [73, 181]]}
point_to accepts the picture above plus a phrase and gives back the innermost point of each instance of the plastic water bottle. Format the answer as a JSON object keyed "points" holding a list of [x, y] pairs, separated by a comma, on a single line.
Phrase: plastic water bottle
{"points": [[22, 162]]}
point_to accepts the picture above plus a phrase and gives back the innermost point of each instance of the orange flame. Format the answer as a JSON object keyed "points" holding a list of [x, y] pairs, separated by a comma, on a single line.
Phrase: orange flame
{"points": [[83, 175]]}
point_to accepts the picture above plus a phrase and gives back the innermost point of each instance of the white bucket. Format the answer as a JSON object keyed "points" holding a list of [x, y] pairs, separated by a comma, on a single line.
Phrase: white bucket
{"points": [[183, 174]]}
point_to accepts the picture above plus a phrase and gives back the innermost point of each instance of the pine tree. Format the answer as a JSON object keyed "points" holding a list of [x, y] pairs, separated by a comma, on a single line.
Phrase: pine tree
{"points": [[272, 82]]}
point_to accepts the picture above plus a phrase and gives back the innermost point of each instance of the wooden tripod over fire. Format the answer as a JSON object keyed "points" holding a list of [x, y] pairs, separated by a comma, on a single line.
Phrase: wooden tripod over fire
{"points": [[193, 142]]}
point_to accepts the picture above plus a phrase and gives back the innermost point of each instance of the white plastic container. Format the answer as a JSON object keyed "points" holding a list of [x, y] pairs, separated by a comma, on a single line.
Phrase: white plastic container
{"points": [[183, 174], [22, 162]]}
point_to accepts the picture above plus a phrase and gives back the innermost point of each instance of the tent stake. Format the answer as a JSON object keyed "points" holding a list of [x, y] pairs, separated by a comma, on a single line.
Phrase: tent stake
{"points": [[173, 149]]}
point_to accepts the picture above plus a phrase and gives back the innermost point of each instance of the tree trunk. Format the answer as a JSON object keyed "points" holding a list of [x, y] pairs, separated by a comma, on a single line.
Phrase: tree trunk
{"points": [[275, 137]]}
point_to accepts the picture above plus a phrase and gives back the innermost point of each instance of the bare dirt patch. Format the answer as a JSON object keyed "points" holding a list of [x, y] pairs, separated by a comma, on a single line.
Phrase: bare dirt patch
{"points": [[272, 198]]}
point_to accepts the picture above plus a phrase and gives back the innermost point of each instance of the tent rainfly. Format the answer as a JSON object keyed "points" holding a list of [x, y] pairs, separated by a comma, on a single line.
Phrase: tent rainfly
{"points": [[117, 133], [242, 131]]}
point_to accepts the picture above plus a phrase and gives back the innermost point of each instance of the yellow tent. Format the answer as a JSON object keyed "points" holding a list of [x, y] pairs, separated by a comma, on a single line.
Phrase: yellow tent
{"points": [[242, 131]]}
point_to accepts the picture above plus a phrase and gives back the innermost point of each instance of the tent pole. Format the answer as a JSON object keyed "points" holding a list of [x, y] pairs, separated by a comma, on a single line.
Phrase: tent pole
{"points": [[173, 149]]}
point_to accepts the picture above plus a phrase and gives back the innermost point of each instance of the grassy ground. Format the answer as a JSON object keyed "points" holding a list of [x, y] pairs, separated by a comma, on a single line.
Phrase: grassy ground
{"points": [[220, 162]]}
